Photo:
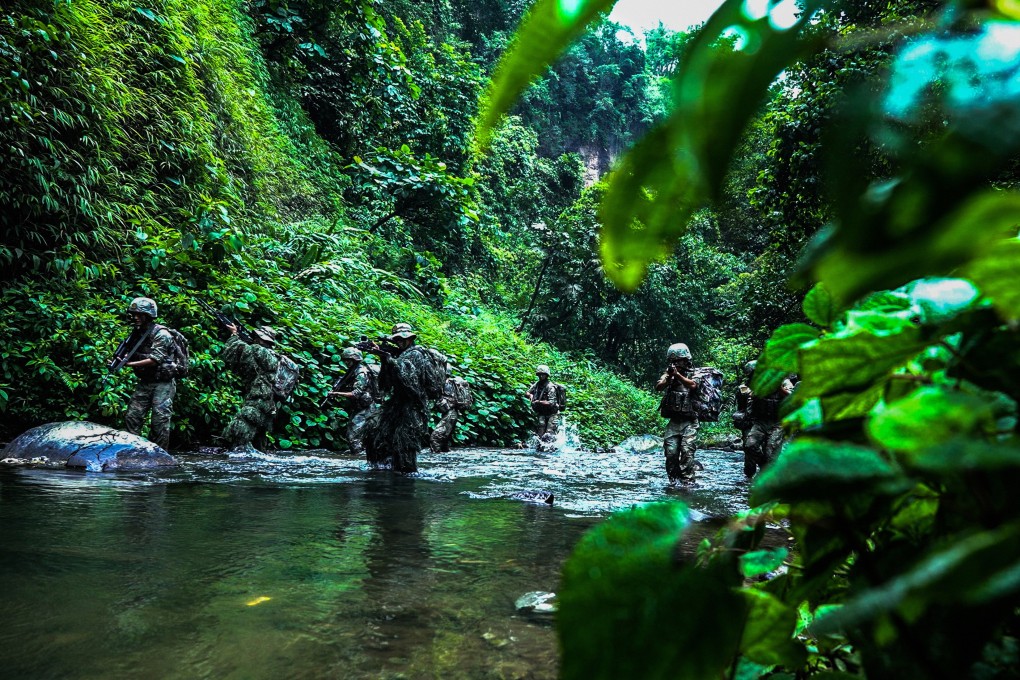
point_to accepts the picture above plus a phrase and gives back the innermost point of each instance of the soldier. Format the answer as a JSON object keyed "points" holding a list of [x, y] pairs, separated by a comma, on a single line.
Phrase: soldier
{"points": [[763, 441], [155, 390], [412, 376], [677, 405], [547, 400], [357, 388], [456, 398], [256, 364], [742, 415]]}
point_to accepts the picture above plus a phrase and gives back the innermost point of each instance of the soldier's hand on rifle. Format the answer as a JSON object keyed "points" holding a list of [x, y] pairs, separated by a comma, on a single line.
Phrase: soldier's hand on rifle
{"points": [[345, 395], [232, 328]]}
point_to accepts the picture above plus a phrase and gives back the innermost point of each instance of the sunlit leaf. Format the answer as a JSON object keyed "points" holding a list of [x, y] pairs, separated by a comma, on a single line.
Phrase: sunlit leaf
{"points": [[819, 306], [761, 562], [548, 28], [996, 273], [930, 415]]}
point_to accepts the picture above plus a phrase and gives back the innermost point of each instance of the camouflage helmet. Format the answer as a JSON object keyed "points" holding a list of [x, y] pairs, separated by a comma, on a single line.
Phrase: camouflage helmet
{"points": [[265, 334], [143, 305], [403, 330], [542, 368], [351, 353], [749, 368], [678, 351]]}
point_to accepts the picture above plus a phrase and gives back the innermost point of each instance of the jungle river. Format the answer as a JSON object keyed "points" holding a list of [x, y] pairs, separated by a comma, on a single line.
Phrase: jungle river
{"points": [[309, 565]]}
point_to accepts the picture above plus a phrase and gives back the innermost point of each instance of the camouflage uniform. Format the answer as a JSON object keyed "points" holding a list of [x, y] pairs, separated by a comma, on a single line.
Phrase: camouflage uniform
{"points": [[358, 383], [398, 429], [547, 425], [151, 392], [765, 438], [443, 434], [679, 441], [257, 367]]}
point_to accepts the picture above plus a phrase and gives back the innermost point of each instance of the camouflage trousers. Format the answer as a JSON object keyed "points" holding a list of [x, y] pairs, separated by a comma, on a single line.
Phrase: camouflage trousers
{"points": [[356, 431], [441, 437], [547, 427], [254, 418], [761, 446], [159, 397], [679, 445]]}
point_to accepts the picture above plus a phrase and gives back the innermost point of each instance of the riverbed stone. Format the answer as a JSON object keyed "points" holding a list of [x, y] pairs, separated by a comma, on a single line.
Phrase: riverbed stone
{"points": [[84, 445], [641, 443]]}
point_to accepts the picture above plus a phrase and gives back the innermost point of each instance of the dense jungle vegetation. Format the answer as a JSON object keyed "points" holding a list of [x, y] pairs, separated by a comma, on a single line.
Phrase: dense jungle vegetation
{"points": [[890, 148], [310, 165]]}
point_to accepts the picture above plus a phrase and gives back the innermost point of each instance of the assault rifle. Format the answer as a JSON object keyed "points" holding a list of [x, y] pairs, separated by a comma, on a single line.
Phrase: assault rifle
{"points": [[127, 348], [382, 345], [223, 320], [361, 344]]}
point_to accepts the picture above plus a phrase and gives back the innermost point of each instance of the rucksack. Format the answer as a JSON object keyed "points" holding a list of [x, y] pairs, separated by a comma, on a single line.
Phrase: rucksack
{"points": [[373, 381], [288, 374], [708, 398], [178, 365], [462, 397], [561, 396]]}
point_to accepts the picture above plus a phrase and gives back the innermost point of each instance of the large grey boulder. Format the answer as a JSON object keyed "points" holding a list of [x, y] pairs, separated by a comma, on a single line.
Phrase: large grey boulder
{"points": [[81, 444]]}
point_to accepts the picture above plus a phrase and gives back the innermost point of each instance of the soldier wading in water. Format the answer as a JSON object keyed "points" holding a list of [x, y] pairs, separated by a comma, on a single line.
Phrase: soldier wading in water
{"points": [[678, 405], [764, 439], [411, 377], [456, 399], [547, 400], [357, 388], [256, 364], [155, 388]]}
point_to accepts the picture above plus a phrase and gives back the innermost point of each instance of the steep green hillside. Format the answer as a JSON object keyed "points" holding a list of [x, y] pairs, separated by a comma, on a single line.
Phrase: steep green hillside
{"points": [[148, 150]]}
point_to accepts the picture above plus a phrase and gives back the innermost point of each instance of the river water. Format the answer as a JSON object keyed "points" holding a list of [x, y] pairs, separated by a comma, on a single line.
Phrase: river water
{"points": [[309, 565]]}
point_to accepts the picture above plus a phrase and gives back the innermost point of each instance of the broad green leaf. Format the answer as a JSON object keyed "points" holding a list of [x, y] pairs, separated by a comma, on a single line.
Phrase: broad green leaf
{"points": [[766, 380], [957, 573], [623, 592], [851, 404], [930, 415], [939, 301], [995, 272], [761, 562], [680, 166], [548, 28], [768, 633], [783, 347], [819, 306], [813, 469], [844, 363]]}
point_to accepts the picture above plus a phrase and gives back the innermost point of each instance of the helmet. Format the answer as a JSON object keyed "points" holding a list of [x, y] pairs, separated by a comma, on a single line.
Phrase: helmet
{"points": [[143, 305], [266, 334], [678, 351], [749, 368], [542, 368], [351, 353], [402, 330]]}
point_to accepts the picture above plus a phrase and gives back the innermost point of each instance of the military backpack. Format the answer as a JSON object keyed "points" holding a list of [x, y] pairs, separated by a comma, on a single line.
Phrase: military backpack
{"points": [[288, 374], [462, 397], [177, 365]]}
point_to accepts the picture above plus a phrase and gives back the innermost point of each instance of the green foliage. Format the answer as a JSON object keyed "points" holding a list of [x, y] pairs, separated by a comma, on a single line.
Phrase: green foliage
{"points": [[900, 498]]}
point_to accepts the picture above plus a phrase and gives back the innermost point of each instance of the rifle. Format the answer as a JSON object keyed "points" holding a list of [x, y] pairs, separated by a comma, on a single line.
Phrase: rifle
{"points": [[120, 356], [223, 320], [381, 345]]}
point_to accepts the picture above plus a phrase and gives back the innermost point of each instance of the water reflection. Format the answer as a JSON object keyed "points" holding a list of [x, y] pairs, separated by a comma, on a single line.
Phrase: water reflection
{"points": [[306, 565]]}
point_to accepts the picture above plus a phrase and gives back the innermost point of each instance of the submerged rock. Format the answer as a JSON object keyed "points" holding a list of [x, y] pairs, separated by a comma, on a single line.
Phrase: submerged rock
{"points": [[641, 443], [81, 444], [537, 602], [534, 496]]}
